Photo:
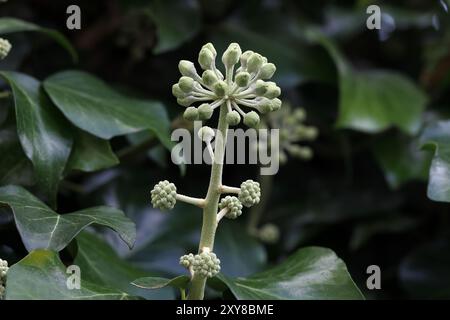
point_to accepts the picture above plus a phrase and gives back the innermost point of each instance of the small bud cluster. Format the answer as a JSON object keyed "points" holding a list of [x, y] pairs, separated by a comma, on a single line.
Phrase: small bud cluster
{"points": [[269, 233], [3, 270], [187, 260], [233, 205], [250, 193], [164, 195], [5, 47], [205, 264], [244, 88], [292, 131]]}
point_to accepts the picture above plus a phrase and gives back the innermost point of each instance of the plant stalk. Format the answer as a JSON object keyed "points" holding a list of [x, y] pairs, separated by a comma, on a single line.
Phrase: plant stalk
{"points": [[209, 225]]}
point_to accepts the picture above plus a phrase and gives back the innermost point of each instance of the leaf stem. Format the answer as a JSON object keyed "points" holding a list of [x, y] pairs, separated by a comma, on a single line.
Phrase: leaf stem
{"points": [[194, 201], [227, 189]]}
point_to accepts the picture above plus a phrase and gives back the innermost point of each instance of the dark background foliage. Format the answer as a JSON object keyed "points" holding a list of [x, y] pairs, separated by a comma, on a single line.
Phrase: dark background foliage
{"points": [[364, 193]]}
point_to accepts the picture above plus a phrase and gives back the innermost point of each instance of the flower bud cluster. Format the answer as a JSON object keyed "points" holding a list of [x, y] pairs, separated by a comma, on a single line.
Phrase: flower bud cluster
{"points": [[5, 47], [3, 270], [164, 195], [242, 86], [292, 131], [250, 193], [233, 205]]}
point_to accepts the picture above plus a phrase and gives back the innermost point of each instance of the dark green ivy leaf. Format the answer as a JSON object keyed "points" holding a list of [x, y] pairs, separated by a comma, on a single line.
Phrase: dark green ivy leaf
{"points": [[374, 100], [42, 228], [44, 134], [42, 276], [12, 25], [90, 153], [172, 28], [102, 266], [312, 273], [94, 107]]}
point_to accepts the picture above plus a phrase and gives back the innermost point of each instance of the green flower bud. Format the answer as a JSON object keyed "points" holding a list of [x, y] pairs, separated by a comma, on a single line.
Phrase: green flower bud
{"points": [[261, 87], [269, 233], [205, 58], [251, 119], [304, 153], [299, 114], [210, 47], [234, 206], [273, 91], [206, 264], [164, 195], [242, 79], [187, 260], [186, 84], [177, 92], [206, 134], [231, 56], [190, 114], [205, 111], [267, 71], [5, 47], [265, 105], [187, 68], [250, 193], [311, 133], [254, 62], [220, 88], [244, 58], [209, 77], [233, 118], [3, 269], [186, 101], [276, 104]]}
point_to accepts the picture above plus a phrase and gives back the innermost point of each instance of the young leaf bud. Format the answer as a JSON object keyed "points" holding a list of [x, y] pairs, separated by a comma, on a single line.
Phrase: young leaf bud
{"points": [[276, 104], [210, 46], [186, 84], [187, 68], [251, 119], [273, 91], [186, 101], [190, 114], [233, 118], [231, 56], [244, 58], [220, 88], [267, 71], [242, 79], [205, 111], [261, 87], [209, 77], [254, 62], [265, 105], [205, 58], [177, 92]]}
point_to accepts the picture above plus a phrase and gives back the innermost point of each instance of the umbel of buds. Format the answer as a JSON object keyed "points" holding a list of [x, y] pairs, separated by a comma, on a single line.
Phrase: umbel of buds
{"points": [[243, 87], [5, 47], [292, 131], [3, 271]]}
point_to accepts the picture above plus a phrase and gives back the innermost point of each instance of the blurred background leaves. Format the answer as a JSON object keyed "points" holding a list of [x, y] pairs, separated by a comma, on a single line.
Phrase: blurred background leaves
{"points": [[379, 98]]}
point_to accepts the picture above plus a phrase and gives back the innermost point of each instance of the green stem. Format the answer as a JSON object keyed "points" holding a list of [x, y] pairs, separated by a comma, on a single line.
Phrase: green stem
{"points": [[209, 226]]}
